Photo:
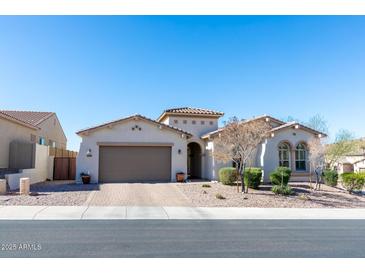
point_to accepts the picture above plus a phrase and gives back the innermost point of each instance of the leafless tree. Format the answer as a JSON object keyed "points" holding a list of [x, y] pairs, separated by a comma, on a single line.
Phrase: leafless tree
{"points": [[344, 144], [316, 122], [319, 123], [316, 157], [237, 142]]}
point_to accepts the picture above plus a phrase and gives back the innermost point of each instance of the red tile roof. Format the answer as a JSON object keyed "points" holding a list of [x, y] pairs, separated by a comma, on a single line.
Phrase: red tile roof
{"points": [[281, 126], [190, 111], [270, 118], [33, 118]]}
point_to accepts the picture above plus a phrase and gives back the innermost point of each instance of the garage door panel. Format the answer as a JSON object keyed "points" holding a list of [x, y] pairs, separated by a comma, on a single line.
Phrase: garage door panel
{"points": [[134, 164]]}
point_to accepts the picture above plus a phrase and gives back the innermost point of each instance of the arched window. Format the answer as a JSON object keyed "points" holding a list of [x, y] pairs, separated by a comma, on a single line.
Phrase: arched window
{"points": [[284, 155], [301, 157]]}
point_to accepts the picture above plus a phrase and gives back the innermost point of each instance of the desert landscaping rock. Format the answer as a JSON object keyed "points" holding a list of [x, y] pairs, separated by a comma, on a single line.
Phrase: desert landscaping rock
{"points": [[56, 193], [328, 197], [65, 193]]}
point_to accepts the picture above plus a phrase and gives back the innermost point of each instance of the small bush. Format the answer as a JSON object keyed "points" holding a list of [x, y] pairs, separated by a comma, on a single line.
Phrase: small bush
{"points": [[330, 177], [228, 175], [281, 175], [206, 186], [253, 177], [220, 196], [353, 181], [282, 190]]}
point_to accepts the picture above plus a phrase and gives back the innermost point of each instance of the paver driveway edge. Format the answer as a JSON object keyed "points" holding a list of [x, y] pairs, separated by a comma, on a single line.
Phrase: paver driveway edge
{"points": [[90, 198]]}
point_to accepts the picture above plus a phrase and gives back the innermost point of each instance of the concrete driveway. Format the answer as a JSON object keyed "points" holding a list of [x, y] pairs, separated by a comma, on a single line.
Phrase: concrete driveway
{"points": [[138, 194]]}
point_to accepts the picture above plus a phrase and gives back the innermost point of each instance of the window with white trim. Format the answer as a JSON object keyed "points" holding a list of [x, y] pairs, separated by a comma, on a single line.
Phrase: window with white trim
{"points": [[301, 157], [284, 155]]}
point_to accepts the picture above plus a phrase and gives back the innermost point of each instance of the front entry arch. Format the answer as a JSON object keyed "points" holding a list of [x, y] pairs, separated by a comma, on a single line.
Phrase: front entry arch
{"points": [[194, 161]]}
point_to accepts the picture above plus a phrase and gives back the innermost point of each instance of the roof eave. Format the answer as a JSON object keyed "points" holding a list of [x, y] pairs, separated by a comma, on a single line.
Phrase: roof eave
{"points": [[12, 119], [45, 118], [88, 130], [300, 126], [165, 114]]}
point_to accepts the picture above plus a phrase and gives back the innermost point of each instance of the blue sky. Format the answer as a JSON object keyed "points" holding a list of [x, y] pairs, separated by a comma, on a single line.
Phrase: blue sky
{"points": [[94, 69]]}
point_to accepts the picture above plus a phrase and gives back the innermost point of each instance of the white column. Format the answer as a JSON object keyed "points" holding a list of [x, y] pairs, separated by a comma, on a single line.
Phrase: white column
{"points": [[2, 187], [24, 186]]}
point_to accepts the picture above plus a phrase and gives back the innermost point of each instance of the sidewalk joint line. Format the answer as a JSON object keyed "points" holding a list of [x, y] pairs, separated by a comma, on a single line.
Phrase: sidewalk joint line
{"points": [[83, 213], [35, 214], [168, 217]]}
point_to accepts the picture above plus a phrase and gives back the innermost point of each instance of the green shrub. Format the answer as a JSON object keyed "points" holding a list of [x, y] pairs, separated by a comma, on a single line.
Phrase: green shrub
{"points": [[330, 177], [228, 175], [253, 177], [281, 175], [206, 185], [220, 196], [282, 190], [353, 181]]}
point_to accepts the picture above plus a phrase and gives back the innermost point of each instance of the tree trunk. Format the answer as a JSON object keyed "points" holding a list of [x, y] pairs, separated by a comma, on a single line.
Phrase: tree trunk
{"points": [[318, 187], [243, 179], [310, 177], [238, 170]]}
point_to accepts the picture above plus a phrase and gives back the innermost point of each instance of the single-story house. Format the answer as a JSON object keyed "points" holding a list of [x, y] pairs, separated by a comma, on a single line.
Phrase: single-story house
{"points": [[352, 162], [42, 128], [139, 149]]}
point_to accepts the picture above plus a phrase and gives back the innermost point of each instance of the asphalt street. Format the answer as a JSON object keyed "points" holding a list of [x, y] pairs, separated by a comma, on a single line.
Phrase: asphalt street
{"points": [[183, 238]]}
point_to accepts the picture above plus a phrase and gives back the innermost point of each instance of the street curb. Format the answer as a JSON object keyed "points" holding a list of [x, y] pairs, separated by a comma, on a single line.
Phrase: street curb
{"points": [[174, 213]]}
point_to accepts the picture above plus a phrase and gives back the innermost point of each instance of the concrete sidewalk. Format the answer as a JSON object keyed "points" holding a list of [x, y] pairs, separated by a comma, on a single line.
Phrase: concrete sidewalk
{"points": [[172, 213]]}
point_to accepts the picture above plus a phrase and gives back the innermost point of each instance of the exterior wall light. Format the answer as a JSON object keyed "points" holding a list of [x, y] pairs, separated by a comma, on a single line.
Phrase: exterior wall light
{"points": [[88, 153], [179, 151]]}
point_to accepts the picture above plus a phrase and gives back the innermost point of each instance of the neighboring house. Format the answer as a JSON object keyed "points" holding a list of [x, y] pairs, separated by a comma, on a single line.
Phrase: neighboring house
{"points": [[139, 149], [29, 127], [354, 162]]}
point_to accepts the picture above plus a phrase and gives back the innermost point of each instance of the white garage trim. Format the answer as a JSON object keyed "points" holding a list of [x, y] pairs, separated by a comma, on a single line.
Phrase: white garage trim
{"points": [[156, 144]]}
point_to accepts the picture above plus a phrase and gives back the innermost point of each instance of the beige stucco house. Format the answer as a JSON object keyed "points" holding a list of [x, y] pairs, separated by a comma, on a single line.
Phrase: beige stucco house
{"points": [[138, 149], [29, 127], [354, 162]]}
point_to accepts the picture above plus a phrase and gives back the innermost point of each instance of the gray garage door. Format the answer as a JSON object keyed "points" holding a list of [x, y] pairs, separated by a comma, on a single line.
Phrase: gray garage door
{"points": [[134, 164]]}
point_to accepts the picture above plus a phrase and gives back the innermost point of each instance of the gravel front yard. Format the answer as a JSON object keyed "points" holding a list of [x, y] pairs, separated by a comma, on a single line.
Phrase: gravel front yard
{"points": [[56, 193], [328, 197], [66, 193]]}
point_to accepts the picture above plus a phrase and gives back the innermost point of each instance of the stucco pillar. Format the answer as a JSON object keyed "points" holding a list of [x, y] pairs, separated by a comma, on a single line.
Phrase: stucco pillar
{"points": [[24, 186], [292, 160], [2, 187]]}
